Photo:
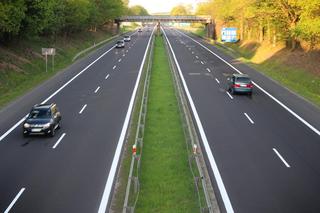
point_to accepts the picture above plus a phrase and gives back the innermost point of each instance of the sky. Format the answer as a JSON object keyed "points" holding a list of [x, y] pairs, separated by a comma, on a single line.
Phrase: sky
{"points": [[156, 6]]}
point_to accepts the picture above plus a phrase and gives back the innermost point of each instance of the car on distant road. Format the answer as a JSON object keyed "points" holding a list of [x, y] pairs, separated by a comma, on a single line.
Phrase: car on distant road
{"points": [[240, 83], [139, 30], [120, 44], [127, 38], [43, 119]]}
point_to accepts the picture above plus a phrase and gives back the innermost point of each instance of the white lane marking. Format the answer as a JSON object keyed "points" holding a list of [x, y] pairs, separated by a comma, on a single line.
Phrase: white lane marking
{"points": [[127, 50], [123, 55], [281, 158], [251, 121], [114, 67], [107, 76], [214, 167], [115, 161], [208, 70], [264, 91], [97, 90], [14, 200], [119, 60], [192, 52], [84, 106], [59, 140], [201, 62], [217, 81], [56, 92], [229, 95], [197, 56]]}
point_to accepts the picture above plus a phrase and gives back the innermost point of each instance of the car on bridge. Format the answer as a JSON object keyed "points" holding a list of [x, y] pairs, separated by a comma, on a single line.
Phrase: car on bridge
{"points": [[240, 83], [43, 119]]}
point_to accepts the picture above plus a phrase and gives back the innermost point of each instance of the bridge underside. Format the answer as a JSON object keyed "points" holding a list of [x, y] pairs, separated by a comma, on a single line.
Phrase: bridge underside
{"points": [[206, 20]]}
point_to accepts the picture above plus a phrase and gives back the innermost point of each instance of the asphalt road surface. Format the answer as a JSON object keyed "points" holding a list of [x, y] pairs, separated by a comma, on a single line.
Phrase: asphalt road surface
{"points": [[73, 171], [262, 152]]}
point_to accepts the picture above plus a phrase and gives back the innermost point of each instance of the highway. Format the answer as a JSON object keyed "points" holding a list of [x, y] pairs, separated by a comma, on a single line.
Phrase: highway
{"points": [[262, 152], [73, 171]]}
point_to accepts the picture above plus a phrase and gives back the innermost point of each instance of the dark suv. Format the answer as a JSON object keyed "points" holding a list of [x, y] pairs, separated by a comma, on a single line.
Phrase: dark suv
{"points": [[43, 119]]}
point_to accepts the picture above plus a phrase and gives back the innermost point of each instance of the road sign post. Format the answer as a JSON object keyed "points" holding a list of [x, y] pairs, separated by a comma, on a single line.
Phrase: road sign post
{"points": [[46, 52]]}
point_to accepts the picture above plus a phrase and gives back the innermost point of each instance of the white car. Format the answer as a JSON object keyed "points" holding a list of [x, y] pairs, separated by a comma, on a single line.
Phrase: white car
{"points": [[127, 38]]}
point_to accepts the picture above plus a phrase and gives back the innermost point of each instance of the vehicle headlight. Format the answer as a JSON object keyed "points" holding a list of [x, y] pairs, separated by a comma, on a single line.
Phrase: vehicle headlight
{"points": [[26, 125], [46, 126]]}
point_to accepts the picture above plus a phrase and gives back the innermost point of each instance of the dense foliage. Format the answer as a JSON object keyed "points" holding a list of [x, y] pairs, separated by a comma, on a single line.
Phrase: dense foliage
{"points": [[51, 17], [137, 10], [269, 20], [180, 10]]}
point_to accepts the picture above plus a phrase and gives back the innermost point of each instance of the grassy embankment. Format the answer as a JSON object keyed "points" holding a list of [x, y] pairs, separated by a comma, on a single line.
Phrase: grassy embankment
{"points": [[166, 180], [22, 67], [274, 63]]}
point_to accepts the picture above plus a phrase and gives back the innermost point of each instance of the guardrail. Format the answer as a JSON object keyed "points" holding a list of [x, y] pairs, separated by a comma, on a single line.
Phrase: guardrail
{"points": [[202, 179], [138, 144]]}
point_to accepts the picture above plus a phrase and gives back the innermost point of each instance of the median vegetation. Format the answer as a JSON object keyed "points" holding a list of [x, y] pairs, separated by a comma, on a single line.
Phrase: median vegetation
{"points": [[166, 181]]}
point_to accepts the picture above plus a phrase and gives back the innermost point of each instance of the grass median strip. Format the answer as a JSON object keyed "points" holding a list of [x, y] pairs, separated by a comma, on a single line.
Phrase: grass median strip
{"points": [[166, 181]]}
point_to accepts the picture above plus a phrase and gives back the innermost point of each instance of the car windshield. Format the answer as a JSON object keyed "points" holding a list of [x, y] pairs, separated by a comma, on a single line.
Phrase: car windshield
{"points": [[126, 36], [39, 113], [245, 80], [119, 42]]}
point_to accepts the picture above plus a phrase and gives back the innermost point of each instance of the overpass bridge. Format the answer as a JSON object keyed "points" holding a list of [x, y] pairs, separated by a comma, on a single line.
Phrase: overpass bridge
{"points": [[206, 20]]}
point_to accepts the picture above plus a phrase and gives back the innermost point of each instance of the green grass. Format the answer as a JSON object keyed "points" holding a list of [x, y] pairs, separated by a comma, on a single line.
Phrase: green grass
{"points": [[29, 66], [166, 180]]}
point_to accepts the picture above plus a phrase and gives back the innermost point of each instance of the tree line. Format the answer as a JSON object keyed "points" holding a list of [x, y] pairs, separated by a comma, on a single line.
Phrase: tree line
{"points": [[293, 21], [20, 18]]}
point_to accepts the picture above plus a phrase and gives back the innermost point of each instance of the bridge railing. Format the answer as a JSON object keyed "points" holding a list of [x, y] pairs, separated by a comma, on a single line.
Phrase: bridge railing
{"points": [[156, 18]]}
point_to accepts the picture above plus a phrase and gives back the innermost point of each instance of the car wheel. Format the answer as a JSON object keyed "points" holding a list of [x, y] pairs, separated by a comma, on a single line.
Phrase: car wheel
{"points": [[53, 132]]}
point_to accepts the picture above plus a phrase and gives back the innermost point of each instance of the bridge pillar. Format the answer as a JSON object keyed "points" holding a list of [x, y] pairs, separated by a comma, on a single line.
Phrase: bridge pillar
{"points": [[118, 27], [210, 28]]}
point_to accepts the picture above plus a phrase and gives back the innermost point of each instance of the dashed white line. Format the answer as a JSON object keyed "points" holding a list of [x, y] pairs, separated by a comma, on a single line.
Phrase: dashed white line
{"points": [[114, 67], [127, 50], [201, 62], [83, 108], [123, 55], [97, 90], [229, 95], [119, 60], [197, 56], [59, 140], [208, 70], [217, 81], [281, 158], [251, 121], [192, 52], [14, 200], [107, 76]]}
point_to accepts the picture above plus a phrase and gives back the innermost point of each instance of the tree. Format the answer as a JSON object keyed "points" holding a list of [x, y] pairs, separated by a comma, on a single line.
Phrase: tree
{"points": [[179, 10], [11, 15], [138, 10]]}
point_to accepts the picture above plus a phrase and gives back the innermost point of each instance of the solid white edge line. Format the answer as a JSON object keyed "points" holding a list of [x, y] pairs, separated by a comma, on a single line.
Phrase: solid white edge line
{"points": [[53, 94], [14, 200], [217, 81], [281, 158], [84, 106], [59, 140], [214, 167], [264, 91], [251, 121], [97, 90], [107, 76], [229, 95], [115, 161]]}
